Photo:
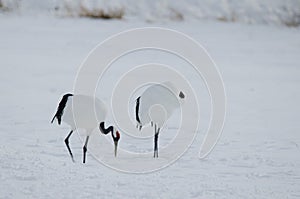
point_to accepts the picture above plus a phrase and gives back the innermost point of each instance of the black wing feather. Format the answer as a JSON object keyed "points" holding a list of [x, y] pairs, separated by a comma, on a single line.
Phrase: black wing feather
{"points": [[61, 107], [137, 107]]}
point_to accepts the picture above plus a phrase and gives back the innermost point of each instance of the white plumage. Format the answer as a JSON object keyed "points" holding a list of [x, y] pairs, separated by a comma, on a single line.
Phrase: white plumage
{"points": [[156, 105], [84, 112]]}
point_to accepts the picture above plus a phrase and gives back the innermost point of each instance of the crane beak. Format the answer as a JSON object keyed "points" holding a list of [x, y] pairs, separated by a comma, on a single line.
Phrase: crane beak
{"points": [[116, 148], [116, 141]]}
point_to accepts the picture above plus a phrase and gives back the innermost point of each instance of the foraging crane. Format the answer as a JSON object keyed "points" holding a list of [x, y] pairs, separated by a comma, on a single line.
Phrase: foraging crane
{"points": [[87, 112], [155, 106]]}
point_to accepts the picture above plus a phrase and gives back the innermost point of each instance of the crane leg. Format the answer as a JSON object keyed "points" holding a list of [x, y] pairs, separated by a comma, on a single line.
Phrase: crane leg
{"points": [[67, 144], [155, 141], [85, 148]]}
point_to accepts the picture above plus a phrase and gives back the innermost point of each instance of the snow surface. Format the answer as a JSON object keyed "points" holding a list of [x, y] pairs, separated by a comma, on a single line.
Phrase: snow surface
{"points": [[257, 155], [285, 12]]}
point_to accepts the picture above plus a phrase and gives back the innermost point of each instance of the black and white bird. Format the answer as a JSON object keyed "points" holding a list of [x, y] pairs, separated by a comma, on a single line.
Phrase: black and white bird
{"points": [[84, 112], [156, 105]]}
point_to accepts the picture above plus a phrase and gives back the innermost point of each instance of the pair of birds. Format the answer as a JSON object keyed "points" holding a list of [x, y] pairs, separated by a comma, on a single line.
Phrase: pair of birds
{"points": [[86, 112]]}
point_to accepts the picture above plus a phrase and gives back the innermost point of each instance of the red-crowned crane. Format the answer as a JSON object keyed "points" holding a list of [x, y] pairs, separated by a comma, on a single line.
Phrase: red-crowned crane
{"points": [[155, 106], [84, 112]]}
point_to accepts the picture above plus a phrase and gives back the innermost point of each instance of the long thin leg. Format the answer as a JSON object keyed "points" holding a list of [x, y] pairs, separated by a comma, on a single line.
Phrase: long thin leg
{"points": [[67, 143], [157, 141], [85, 148], [156, 131], [154, 140]]}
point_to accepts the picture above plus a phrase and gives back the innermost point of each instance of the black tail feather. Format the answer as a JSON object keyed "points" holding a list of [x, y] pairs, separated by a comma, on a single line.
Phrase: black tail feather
{"points": [[60, 108], [137, 107], [53, 119]]}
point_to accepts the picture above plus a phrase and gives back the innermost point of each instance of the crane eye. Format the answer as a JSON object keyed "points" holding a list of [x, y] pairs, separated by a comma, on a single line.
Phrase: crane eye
{"points": [[181, 95]]}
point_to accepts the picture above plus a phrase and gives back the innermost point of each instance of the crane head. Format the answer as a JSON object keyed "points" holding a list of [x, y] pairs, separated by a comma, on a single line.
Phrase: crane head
{"points": [[181, 95], [116, 139], [114, 134]]}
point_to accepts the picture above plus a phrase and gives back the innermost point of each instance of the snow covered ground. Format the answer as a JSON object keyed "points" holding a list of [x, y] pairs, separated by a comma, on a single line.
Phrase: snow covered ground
{"points": [[257, 155], [285, 12]]}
